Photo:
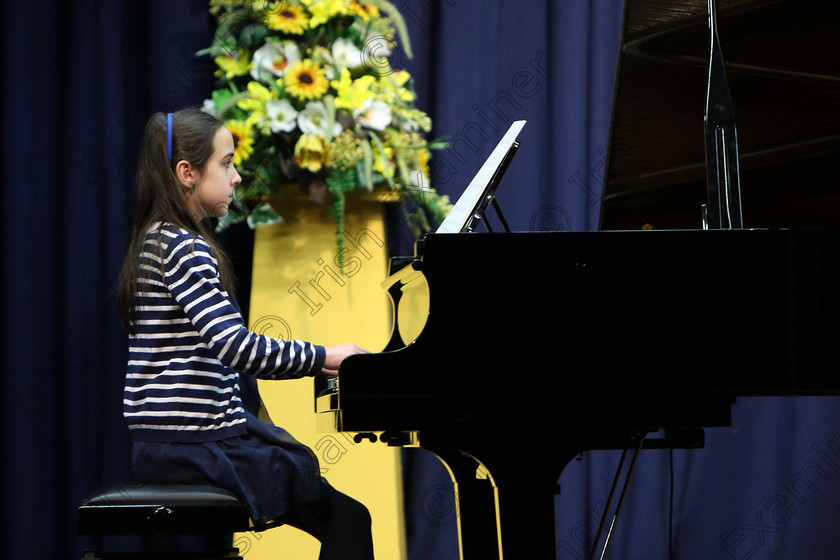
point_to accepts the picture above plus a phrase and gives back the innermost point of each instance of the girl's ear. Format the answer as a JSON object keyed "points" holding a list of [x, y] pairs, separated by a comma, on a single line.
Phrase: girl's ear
{"points": [[186, 174]]}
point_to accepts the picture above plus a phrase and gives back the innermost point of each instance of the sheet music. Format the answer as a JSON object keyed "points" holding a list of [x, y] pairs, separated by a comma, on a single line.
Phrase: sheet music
{"points": [[462, 212]]}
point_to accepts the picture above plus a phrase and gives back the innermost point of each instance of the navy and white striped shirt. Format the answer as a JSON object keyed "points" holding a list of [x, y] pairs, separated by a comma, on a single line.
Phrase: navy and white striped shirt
{"points": [[190, 344]]}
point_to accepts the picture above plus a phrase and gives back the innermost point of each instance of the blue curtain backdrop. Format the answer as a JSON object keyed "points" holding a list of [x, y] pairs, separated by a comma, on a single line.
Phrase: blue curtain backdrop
{"points": [[80, 77]]}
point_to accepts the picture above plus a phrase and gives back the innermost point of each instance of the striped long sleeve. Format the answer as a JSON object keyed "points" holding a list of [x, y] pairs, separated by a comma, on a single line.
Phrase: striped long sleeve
{"points": [[190, 345]]}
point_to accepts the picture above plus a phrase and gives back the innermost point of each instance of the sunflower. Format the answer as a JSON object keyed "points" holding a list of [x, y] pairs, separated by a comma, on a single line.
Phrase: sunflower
{"points": [[243, 140], [323, 10], [288, 18], [366, 12], [305, 80]]}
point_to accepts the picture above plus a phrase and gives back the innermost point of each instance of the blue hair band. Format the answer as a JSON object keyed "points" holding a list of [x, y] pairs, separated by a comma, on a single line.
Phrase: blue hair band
{"points": [[169, 136]]}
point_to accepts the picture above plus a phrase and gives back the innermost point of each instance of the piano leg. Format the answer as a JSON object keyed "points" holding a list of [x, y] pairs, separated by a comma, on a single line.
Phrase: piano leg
{"points": [[476, 501], [506, 512], [527, 519]]}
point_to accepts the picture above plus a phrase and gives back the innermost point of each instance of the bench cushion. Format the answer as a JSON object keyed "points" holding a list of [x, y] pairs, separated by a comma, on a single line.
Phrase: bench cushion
{"points": [[162, 509]]}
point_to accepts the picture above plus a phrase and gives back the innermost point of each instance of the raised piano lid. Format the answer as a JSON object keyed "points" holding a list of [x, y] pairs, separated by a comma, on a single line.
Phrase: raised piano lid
{"points": [[784, 77]]}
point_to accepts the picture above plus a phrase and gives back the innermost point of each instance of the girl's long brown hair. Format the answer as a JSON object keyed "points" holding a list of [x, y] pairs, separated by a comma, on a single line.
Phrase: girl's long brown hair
{"points": [[160, 197]]}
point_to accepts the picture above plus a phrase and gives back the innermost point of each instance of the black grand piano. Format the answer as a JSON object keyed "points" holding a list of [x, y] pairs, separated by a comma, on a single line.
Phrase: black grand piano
{"points": [[715, 275]]}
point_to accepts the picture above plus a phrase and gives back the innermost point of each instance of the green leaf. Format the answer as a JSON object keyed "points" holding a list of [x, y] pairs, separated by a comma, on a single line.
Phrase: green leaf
{"points": [[263, 215], [229, 107], [367, 152], [398, 20], [329, 103], [220, 97], [382, 158], [405, 174], [439, 144], [253, 34]]}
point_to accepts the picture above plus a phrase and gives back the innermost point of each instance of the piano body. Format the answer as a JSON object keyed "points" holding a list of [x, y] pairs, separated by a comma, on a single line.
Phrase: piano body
{"points": [[616, 334]]}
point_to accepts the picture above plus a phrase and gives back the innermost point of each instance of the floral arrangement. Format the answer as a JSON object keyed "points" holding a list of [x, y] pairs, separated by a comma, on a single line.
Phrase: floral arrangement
{"points": [[308, 90]]}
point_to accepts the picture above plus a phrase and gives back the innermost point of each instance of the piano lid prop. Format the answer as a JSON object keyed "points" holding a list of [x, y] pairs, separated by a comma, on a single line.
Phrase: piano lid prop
{"points": [[784, 81], [722, 162]]}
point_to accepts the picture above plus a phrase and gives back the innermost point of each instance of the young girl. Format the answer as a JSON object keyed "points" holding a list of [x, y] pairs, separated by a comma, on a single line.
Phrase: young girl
{"points": [[188, 346]]}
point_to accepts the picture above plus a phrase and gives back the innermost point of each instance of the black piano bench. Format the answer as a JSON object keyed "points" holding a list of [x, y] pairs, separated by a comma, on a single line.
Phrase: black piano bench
{"points": [[162, 511]]}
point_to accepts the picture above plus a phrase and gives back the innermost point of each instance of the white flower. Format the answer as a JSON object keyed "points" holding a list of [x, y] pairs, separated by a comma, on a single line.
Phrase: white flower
{"points": [[345, 53], [374, 114], [209, 107], [378, 46], [272, 59], [281, 115], [419, 180], [314, 120]]}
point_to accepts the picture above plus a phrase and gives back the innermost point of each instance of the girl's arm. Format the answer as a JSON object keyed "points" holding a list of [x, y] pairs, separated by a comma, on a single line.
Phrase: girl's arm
{"points": [[192, 278]]}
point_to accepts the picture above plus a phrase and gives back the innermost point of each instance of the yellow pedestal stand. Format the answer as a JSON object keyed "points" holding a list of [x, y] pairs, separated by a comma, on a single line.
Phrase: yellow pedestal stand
{"points": [[303, 287]]}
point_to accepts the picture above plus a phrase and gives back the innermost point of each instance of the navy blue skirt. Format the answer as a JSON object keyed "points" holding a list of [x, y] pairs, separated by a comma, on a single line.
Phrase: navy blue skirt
{"points": [[267, 468]]}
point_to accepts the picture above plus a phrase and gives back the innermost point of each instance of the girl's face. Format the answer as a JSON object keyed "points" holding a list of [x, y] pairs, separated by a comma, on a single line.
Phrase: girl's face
{"points": [[214, 187]]}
